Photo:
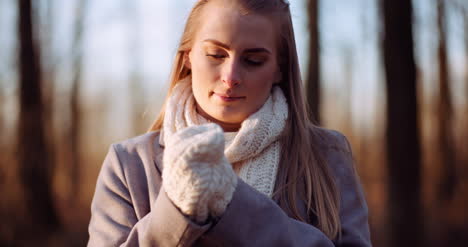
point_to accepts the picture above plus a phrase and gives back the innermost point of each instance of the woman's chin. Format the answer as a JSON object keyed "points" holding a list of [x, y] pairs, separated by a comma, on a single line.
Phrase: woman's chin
{"points": [[227, 117]]}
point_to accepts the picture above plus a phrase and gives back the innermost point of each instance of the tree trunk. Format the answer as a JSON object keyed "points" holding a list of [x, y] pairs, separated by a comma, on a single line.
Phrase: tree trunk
{"points": [[75, 118], [465, 18], [2, 106], [2, 131], [402, 133], [135, 79], [348, 56], [33, 157], [448, 181], [48, 79], [313, 78]]}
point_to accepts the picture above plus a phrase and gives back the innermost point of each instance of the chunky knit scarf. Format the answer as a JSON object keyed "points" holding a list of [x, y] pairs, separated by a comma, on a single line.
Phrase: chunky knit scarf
{"points": [[255, 148]]}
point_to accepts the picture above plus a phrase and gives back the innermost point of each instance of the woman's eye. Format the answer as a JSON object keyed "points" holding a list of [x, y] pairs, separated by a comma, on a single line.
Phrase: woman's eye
{"points": [[216, 56], [254, 62]]}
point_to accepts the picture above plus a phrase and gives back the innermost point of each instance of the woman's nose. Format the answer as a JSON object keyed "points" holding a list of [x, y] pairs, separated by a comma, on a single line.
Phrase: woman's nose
{"points": [[231, 75]]}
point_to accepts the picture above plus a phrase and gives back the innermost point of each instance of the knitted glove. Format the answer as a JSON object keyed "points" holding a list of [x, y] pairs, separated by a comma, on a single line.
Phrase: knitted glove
{"points": [[197, 176]]}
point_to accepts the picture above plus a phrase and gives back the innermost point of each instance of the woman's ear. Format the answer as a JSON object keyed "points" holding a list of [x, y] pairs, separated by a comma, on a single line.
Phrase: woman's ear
{"points": [[187, 60]]}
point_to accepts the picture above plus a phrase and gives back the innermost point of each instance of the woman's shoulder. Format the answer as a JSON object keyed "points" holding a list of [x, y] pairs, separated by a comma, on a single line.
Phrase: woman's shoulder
{"points": [[353, 207], [330, 139], [137, 143], [336, 151]]}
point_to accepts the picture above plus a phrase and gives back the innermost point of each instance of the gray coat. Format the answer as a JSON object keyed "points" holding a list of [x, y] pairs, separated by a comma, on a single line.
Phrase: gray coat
{"points": [[130, 207]]}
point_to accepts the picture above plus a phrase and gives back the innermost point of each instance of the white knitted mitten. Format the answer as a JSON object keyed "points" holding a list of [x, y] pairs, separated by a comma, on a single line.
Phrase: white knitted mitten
{"points": [[197, 177]]}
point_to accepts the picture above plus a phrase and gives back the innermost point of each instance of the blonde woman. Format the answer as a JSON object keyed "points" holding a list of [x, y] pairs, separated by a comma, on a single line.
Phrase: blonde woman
{"points": [[232, 159]]}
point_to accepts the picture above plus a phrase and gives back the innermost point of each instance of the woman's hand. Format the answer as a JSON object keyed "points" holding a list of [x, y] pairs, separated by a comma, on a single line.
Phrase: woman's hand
{"points": [[197, 177]]}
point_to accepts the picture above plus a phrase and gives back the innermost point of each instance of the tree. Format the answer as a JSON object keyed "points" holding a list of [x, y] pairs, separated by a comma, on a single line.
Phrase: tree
{"points": [[464, 10], [2, 103], [465, 20], [402, 133], [2, 176], [313, 78], [135, 78], [33, 157], [74, 131], [348, 56], [48, 72], [445, 112]]}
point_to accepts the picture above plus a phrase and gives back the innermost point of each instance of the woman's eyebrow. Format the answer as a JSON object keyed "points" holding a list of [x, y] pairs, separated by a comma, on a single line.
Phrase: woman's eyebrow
{"points": [[215, 42], [225, 46]]}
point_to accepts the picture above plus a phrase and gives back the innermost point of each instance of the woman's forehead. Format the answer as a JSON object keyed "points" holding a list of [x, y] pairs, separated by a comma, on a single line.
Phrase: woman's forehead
{"points": [[229, 26]]}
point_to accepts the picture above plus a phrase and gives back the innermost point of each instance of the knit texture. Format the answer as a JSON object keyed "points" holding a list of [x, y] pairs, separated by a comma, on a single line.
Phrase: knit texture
{"points": [[255, 149], [197, 176]]}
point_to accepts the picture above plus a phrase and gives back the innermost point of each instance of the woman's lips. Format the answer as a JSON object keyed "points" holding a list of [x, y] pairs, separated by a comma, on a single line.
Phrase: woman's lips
{"points": [[228, 98]]}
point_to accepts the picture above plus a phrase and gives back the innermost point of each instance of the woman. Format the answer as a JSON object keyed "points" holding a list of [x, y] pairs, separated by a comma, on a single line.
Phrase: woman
{"points": [[232, 159]]}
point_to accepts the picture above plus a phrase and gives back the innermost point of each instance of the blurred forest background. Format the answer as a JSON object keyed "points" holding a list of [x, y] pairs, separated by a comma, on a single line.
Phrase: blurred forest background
{"points": [[78, 75]]}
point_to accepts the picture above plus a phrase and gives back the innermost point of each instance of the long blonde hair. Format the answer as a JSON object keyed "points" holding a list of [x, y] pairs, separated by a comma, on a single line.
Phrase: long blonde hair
{"points": [[303, 173]]}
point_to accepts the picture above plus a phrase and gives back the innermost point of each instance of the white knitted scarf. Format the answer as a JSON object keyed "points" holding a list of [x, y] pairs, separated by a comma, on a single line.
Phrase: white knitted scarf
{"points": [[255, 148]]}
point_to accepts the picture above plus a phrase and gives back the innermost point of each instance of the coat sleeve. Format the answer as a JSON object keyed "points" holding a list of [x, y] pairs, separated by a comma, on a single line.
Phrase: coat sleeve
{"points": [[114, 221], [253, 219]]}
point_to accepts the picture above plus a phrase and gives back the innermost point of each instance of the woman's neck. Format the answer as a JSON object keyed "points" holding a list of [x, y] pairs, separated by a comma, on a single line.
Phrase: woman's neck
{"points": [[227, 127]]}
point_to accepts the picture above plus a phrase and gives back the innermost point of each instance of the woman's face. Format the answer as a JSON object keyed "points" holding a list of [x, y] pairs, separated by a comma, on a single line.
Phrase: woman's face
{"points": [[234, 64]]}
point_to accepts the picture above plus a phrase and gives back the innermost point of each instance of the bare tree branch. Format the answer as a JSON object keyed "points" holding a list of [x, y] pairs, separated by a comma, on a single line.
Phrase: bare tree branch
{"points": [[313, 79]]}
